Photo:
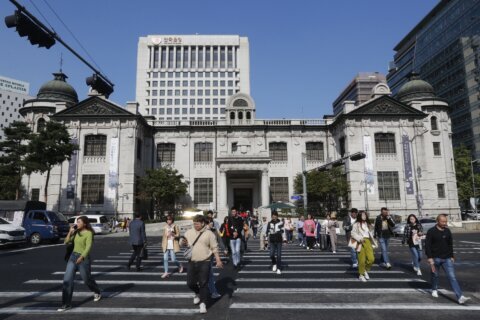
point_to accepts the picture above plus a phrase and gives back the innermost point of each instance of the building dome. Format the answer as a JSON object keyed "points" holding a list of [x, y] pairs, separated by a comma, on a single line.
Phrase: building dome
{"points": [[415, 89], [58, 89]]}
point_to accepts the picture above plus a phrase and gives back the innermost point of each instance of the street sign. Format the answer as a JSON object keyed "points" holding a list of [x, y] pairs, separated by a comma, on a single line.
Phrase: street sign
{"points": [[296, 197]]}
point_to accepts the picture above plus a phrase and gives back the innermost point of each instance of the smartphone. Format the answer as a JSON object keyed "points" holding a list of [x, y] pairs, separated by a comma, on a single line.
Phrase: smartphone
{"points": [[75, 227]]}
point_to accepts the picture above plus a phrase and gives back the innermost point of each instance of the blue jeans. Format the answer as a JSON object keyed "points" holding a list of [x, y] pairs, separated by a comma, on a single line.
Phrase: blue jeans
{"points": [[449, 268], [235, 247], [69, 277], [353, 256], [276, 253], [172, 257], [211, 279], [301, 238], [416, 256], [384, 246]]}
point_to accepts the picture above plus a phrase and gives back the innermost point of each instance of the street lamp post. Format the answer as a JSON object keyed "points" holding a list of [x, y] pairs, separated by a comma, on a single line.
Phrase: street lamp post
{"points": [[473, 186], [304, 181]]}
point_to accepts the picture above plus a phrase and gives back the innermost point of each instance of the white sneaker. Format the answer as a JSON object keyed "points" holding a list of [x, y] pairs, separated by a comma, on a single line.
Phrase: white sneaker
{"points": [[415, 269], [366, 275], [419, 272], [203, 308], [196, 300], [64, 308], [463, 299], [355, 265], [388, 266], [435, 293], [362, 278], [216, 295], [274, 268], [334, 252], [97, 297], [278, 271]]}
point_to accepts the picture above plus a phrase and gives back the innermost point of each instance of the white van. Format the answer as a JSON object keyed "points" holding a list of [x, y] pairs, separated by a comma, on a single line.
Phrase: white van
{"points": [[99, 223]]}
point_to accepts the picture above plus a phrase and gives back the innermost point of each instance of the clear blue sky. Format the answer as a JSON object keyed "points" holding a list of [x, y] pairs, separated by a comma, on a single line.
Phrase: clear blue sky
{"points": [[302, 53]]}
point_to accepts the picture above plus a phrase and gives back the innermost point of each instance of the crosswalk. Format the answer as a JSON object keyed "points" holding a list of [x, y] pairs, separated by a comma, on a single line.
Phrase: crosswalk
{"points": [[311, 281], [318, 281]]}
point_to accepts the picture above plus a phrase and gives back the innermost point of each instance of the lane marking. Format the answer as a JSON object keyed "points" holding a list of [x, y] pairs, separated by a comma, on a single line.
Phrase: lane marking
{"points": [[105, 294], [354, 306], [330, 290], [118, 282], [322, 272], [278, 279], [32, 248], [100, 311], [121, 273]]}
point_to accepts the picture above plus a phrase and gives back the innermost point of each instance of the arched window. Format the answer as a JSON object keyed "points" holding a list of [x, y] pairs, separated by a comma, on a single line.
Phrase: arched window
{"points": [[385, 143], [278, 151], [249, 115], [232, 115], [41, 124], [95, 145], [240, 103], [434, 123], [240, 115], [203, 151]]}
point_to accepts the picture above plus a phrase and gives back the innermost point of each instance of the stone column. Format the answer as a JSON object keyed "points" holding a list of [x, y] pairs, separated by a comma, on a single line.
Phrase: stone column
{"points": [[222, 192], [265, 189]]}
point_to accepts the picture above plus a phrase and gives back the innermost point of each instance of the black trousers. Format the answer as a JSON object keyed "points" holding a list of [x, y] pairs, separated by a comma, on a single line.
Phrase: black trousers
{"points": [[310, 242], [137, 253], [197, 278]]}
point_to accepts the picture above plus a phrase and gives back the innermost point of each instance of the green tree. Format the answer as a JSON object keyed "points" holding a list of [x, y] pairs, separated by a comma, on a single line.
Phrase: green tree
{"points": [[14, 149], [162, 186], [325, 190], [463, 158], [50, 147]]}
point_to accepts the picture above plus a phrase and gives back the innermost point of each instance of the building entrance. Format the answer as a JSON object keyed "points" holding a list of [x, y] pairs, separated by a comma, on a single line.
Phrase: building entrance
{"points": [[243, 199]]}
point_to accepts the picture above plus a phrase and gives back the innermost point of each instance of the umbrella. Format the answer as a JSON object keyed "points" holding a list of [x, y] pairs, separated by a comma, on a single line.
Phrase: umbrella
{"points": [[280, 205]]}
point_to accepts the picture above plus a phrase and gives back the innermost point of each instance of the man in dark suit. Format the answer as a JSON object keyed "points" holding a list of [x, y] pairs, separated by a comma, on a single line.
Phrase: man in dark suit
{"points": [[138, 240]]}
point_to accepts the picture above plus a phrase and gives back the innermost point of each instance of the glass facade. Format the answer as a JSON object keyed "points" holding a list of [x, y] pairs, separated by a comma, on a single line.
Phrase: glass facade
{"points": [[444, 50]]}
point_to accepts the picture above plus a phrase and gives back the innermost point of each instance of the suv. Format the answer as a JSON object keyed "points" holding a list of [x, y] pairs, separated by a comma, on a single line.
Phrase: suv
{"points": [[11, 234], [99, 223]]}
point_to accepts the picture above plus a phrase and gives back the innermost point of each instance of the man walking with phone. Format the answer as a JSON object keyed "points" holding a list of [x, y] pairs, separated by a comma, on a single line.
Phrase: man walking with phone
{"points": [[439, 251]]}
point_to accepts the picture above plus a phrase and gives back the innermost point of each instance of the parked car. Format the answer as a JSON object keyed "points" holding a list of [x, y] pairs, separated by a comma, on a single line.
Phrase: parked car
{"points": [[40, 224], [427, 223], [99, 223], [470, 215], [10, 234]]}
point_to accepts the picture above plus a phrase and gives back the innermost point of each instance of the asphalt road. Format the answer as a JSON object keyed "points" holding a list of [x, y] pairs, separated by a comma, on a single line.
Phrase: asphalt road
{"points": [[314, 285]]}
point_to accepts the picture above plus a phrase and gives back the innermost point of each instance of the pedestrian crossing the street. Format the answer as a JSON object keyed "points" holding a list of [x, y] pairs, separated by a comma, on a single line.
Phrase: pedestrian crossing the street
{"points": [[311, 281]]}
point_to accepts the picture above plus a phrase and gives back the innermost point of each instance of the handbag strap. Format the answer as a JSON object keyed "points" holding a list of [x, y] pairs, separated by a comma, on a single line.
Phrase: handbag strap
{"points": [[197, 239]]}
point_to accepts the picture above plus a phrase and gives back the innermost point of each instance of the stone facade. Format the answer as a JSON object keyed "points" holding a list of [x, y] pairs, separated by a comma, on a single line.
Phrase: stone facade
{"points": [[250, 162]]}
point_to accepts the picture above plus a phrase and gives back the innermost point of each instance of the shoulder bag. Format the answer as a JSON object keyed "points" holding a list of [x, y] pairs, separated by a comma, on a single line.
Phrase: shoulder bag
{"points": [[69, 248], [187, 254]]}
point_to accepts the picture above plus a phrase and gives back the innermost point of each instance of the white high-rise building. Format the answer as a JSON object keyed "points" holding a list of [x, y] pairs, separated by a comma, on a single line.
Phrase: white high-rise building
{"points": [[13, 93], [190, 77]]}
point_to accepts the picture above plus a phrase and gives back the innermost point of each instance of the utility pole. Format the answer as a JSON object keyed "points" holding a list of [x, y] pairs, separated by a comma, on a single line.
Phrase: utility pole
{"points": [[473, 187], [304, 180]]}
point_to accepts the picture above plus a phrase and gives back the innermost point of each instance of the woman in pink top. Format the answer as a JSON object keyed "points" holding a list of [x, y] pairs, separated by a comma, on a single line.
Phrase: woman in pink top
{"points": [[309, 230]]}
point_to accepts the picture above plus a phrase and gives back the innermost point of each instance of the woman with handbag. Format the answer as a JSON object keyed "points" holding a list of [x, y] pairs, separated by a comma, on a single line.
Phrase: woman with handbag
{"points": [[332, 226], [412, 235], [362, 240], [170, 246], [81, 235]]}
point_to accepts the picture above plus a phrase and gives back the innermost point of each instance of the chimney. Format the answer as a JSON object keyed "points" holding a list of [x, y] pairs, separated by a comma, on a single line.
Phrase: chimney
{"points": [[132, 106]]}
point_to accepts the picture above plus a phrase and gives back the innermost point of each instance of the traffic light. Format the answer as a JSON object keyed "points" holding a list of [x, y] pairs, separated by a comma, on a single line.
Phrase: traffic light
{"points": [[27, 27], [100, 85]]}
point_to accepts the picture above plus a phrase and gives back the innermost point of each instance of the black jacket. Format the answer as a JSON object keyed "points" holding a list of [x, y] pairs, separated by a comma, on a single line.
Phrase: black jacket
{"points": [[275, 231], [379, 233], [235, 224]]}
